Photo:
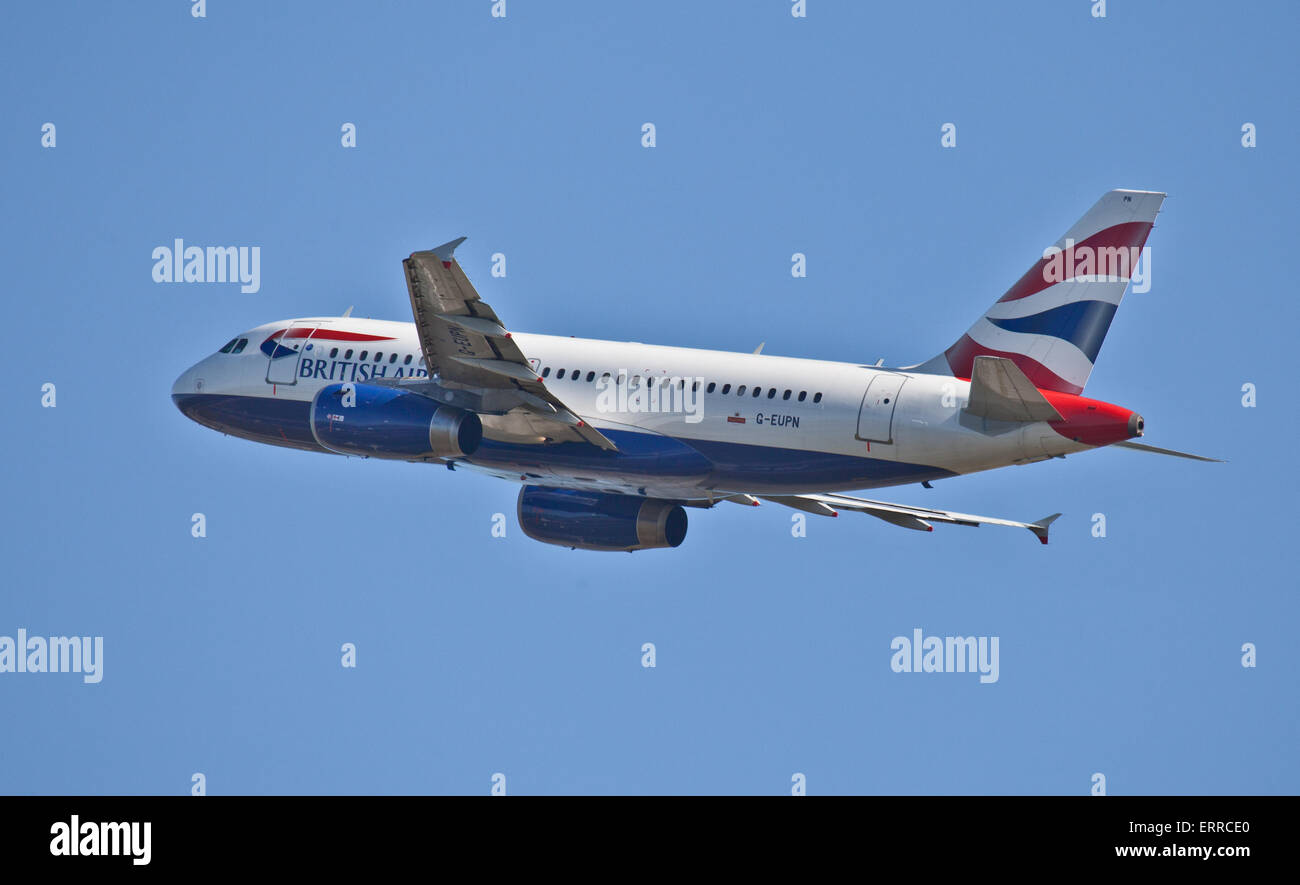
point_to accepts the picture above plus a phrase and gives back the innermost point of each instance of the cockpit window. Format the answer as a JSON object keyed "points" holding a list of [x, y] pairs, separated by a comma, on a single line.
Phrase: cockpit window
{"points": [[229, 346], [239, 348]]}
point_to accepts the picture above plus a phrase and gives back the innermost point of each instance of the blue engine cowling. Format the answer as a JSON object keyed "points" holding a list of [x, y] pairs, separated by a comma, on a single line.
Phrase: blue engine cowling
{"points": [[599, 521], [387, 422]]}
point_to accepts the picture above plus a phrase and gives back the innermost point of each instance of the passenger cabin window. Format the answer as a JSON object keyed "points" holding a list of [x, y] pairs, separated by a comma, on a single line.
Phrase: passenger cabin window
{"points": [[726, 388], [709, 389], [407, 361], [786, 395], [348, 355], [363, 354], [740, 391], [757, 392], [560, 374], [817, 397], [591, 376], [803, 395], [546, 373], [392, 359], [334, 351]]}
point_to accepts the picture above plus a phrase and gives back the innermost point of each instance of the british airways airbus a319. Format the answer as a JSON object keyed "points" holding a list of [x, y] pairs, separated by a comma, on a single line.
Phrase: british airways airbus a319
{"points": [[612, 440]]}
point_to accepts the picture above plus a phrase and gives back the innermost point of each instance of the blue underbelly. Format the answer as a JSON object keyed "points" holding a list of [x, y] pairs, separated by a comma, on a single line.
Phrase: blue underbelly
{"points": [[648, 456]]}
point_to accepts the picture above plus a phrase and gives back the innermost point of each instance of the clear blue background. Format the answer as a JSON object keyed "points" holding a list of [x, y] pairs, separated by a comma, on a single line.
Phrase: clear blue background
{"points": [[479, 655]]}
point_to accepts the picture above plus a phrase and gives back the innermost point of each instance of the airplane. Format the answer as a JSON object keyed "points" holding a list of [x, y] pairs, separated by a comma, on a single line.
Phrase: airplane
{"points": [[612, 441]]}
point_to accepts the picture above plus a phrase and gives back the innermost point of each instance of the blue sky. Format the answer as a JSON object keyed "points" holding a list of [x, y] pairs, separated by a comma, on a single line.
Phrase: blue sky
{"points": [[478, 655]]}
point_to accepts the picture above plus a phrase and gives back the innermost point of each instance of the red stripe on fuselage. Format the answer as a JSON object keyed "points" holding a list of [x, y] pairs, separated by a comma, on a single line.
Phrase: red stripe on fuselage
{"points": [[331, 334]]}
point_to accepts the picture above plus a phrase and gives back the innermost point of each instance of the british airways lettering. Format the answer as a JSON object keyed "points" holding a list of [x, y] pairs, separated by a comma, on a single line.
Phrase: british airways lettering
{"points": [[345, 370]]}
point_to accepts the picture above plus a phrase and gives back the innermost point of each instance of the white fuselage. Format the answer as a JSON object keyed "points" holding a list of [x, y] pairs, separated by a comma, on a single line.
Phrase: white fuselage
{"points": [[814, 426]]}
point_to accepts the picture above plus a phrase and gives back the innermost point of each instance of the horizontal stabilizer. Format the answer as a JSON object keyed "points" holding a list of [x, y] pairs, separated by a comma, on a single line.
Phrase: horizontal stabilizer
{"points": [[1000, 391], [1155, 450]]}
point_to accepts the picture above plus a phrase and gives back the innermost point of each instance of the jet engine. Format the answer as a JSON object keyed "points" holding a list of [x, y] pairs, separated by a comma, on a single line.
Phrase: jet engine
{"points": [[599, 520], [388, 422]]}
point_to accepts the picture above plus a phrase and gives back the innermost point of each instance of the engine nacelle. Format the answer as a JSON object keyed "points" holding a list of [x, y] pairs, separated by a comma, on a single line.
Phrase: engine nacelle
{"points": [[388, 422], [599, 521]]}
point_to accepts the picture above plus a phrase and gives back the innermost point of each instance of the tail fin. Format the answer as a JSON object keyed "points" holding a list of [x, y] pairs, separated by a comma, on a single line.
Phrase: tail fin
{"points": [[1052, 321]]}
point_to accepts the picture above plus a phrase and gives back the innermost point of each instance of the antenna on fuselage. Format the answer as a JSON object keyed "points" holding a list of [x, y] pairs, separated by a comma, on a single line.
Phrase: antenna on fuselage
{"points": [[347, 313], [759, 349]]}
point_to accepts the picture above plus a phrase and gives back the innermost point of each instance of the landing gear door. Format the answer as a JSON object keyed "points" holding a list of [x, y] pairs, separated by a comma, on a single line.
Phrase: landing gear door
{"points": [[876, 417], [285, 351]]}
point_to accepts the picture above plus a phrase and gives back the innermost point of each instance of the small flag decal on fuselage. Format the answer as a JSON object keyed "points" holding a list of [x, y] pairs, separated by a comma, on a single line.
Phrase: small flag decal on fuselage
{"points": [[735, 419]]}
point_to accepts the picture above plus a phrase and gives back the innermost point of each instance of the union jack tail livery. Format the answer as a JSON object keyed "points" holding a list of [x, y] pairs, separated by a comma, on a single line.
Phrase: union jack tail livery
{"points": [[1052, 321]]}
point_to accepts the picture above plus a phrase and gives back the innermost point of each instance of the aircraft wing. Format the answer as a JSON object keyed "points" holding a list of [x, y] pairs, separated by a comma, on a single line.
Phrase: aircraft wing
{"points": [[465, 346], [918, 518]]}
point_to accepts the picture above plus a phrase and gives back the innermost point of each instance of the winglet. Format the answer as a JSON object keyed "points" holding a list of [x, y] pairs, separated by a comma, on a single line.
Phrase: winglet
{"points": [[445, 251], [1040, 528]]}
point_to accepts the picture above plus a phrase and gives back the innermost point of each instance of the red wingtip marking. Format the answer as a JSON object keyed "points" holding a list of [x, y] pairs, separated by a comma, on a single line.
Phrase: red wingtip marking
{"points": [[929, 528], [582, 423], [1042, 540], [447, 264], [508, 334]]}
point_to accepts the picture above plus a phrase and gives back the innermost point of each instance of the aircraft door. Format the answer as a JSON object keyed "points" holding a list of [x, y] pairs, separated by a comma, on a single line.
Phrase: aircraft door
{"points": [[876, 417], [286, 351]]}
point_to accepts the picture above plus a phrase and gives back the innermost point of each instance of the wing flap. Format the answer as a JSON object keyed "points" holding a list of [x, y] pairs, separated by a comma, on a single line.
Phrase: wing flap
{"points": [[916, 518]]}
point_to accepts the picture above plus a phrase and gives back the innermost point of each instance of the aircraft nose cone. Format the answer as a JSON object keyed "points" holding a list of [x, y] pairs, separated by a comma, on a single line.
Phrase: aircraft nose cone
{"points": [[188, 384]]}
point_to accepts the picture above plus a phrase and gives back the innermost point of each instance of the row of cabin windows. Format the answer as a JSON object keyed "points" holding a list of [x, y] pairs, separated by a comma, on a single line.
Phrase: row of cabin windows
{"points": [[379, 356], [755, 392], [236, 345]]}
